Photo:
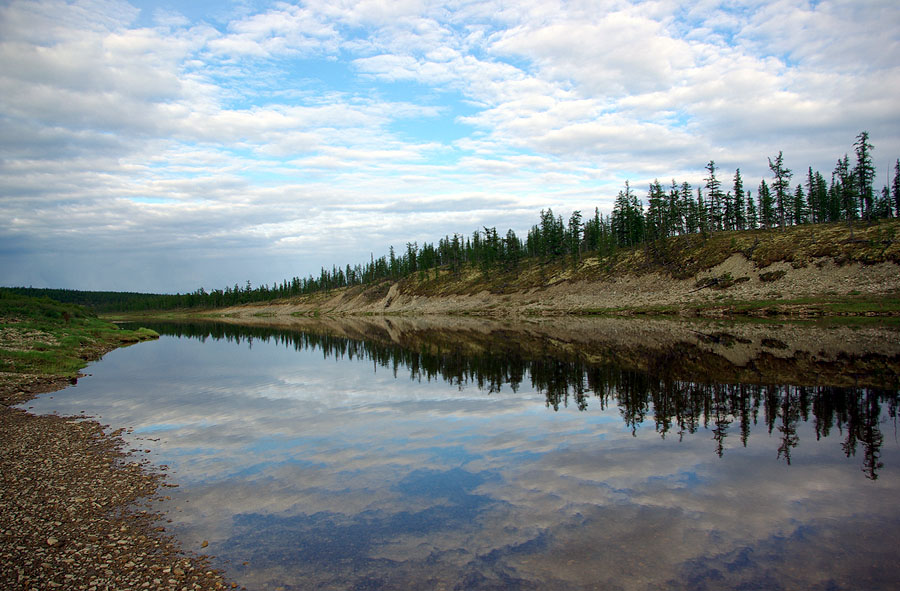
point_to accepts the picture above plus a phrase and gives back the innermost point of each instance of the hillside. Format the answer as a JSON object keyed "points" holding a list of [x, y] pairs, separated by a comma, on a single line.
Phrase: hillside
{"points": [[812, 270]]}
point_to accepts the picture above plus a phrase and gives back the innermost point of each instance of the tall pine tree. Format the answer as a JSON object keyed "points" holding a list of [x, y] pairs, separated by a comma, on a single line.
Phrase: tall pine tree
{"points": [[781, 186], [864, 173], [715, 200], [767, 212], [845, 190], [740, 217], [798, 209], [752, 214], [895, 188]]}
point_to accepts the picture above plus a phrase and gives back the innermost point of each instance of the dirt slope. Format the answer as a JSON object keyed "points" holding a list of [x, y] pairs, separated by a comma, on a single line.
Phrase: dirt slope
{"points": [[807, 271]]}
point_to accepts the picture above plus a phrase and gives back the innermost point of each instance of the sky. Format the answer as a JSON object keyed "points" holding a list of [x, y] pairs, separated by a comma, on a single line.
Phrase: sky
{"points": [[167, 146]]}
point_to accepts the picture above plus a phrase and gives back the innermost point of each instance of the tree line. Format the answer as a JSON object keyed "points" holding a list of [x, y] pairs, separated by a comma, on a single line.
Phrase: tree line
{"points": [[675, 209], [666, 211]]}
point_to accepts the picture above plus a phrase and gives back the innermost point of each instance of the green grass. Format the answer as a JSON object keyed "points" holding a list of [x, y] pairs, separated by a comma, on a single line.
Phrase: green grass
{"points": [[40, 362], [44, 337]]}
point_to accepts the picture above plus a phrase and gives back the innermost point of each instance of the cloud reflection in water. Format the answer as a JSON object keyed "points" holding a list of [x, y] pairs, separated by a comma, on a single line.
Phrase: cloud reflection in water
{"points": [[320, 472]]}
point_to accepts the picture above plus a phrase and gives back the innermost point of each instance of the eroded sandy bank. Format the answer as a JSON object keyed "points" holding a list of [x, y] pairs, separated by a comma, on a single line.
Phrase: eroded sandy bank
{"points": [[737, 279]]}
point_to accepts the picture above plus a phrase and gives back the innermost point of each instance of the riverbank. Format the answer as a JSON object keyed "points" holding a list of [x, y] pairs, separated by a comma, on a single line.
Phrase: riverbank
{"points": [[822, 270], [76, 508]]}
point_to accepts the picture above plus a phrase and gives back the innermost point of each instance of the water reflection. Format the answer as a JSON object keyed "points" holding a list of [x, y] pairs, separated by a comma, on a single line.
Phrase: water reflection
{"points": [[566, 377], [571, 455]]}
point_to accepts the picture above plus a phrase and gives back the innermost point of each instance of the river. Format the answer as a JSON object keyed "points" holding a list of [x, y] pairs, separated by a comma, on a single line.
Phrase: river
{"points": [[392, 453]]}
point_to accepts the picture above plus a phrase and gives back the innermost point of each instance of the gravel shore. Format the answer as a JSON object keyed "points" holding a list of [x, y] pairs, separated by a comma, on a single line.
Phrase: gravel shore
{"points": [[76, 510]]}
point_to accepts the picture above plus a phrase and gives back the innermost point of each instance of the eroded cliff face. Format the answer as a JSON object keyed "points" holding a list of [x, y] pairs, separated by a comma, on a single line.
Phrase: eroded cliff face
{"points": [[647, 294], [795, 272]]}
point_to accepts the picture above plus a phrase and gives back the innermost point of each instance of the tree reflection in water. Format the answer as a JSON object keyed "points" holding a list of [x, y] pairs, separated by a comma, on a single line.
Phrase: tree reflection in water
{"points": [[568, 378]]}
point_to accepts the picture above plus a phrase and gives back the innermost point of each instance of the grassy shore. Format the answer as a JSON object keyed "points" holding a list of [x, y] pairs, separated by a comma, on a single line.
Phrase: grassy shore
{"points": [[39, 336]]}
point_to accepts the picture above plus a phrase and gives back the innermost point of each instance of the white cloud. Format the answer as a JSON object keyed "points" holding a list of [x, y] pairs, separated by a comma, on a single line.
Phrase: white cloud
{"points": [[284, 30], [549, 103], [56, 20], [618, 54]]}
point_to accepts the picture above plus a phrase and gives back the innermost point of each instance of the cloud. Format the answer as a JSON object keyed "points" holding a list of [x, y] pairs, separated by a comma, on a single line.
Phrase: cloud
{"points": [[55, 20], [266, 110], [285, 30], [843, 36], [597, 56]]}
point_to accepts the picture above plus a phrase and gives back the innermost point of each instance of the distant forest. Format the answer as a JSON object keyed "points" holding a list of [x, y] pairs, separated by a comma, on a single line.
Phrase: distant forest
{"points": [[665, 211]]}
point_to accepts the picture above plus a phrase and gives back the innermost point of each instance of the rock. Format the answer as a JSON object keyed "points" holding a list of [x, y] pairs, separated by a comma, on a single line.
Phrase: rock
{"points": [[204, 544], [54, 542]]}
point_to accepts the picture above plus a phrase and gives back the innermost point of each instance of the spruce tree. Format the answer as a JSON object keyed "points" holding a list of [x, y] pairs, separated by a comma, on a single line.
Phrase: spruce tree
{"points": [[512, 249], [740, 217], [688, 208], [781, 186], [675, 221], [812, 201], [717, 213], [845, 189], [573, 236], [799, 211], [702, 213], [818, 209], [411, 257], [752, 215], [864, 173], [767, 212], [895, 187], [883, 204], [628, 218], [592, 232], [636, 216], [656, 222]]}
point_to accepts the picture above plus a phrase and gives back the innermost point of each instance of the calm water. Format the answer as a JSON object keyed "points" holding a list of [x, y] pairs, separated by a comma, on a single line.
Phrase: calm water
{"points": [[313, 462]]}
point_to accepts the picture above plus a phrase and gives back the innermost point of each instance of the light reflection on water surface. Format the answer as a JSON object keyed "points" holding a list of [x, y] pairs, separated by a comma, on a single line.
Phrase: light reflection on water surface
{"points": [[317, 463]]}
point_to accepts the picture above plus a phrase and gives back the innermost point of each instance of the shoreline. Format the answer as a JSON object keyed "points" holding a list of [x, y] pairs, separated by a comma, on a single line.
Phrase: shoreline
{"points": [[76, 507], [803, 272], [854, 291]]}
